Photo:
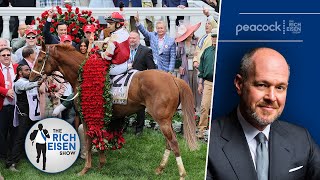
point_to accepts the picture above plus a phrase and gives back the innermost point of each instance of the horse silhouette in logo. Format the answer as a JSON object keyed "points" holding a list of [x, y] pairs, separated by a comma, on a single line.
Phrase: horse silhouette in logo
{"points": [[40, 137]]}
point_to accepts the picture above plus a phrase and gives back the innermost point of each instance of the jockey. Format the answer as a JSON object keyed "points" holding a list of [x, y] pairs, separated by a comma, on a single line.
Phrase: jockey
{"points": [[118, 50]]}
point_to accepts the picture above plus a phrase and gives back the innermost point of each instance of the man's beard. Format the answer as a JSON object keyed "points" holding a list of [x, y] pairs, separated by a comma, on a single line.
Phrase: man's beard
{"points": [[262, 122]]}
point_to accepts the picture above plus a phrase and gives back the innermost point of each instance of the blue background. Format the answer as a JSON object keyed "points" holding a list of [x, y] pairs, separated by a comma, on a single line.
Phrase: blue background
{"points": [[303, 98]]}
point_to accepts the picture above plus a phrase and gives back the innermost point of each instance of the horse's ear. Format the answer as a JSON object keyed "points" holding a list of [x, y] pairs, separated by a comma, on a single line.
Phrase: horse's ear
{"points": [[43, 46]]}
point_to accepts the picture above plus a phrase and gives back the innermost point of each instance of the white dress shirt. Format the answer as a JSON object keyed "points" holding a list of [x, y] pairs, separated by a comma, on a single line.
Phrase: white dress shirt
{"points": [[251, 132], [13, 76]]}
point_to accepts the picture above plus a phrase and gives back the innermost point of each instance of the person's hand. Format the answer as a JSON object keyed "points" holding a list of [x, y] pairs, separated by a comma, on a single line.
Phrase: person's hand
{"points": [[196, 64], [50, 13], [136, 17], [206, 12], [91, 39], [42, 79], [10, 93], [200, 88], [181, 70], [181, 6]]}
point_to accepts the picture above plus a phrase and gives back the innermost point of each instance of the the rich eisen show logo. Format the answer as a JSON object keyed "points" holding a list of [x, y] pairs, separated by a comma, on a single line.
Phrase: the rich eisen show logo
{"points": [[52, 145]]}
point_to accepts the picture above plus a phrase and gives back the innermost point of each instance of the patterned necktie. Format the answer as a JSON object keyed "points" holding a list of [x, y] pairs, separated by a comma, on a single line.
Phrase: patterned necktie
{"points": [[262, 157], [9, 80]]}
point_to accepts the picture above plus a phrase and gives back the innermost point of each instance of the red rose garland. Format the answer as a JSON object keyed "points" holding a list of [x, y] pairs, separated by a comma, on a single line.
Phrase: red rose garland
{"points": [[96, 103], [75, 20]]}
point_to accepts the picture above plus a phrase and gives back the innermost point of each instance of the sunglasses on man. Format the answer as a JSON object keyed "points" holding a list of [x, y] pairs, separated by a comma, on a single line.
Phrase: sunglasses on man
{"points": [[6, 55], [31, 37]]}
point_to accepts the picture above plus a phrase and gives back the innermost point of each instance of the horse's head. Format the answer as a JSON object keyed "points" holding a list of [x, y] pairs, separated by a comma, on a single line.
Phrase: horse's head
{"points": [[44, 64]]}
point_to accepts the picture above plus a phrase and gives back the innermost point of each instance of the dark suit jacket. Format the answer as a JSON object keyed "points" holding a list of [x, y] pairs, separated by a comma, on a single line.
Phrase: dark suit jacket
{"points": [[23, 3], [135, 3], [290, 146], [143, 59], [174, 3], [49, 38], [24, 62]]}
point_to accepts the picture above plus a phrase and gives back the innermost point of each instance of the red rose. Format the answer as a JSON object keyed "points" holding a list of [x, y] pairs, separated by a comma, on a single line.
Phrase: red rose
{"points": [[66, 18], [75, 32], [77, 40], [52, 20], [89, 13], [69, 10], [92, 19], [77, 10], [51, 30], [72, 15], [59, 11]]}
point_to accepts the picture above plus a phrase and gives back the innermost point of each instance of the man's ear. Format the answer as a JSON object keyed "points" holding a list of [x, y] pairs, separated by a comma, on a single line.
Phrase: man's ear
{"points": [[238, 82]]}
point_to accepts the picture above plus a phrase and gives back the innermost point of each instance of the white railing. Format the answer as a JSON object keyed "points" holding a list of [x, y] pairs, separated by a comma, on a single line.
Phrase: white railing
{"points": [[193, 13]]}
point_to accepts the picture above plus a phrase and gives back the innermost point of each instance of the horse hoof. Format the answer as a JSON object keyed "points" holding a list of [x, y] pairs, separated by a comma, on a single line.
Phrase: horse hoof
{"points": [[159, 170], [101, 165], [83, 172]]}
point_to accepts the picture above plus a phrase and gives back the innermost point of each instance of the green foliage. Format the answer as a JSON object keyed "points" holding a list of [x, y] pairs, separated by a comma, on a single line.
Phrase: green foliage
{"points": [[136, 160]]}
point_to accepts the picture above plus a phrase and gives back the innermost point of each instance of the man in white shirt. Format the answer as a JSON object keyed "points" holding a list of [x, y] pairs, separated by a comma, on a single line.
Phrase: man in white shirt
{"points": [[7, 75]]}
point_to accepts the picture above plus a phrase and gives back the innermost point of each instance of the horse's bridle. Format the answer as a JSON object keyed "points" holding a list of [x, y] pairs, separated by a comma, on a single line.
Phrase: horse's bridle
{"points": [[44, 63], [41, 71]]}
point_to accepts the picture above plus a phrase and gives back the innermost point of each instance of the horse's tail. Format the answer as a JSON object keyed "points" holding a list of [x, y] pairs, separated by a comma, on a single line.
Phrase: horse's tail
{"points": [[187, 105]]}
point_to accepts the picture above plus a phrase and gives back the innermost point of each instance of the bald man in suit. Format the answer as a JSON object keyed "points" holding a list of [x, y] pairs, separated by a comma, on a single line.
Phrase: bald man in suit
{"points": [[250, 143]]}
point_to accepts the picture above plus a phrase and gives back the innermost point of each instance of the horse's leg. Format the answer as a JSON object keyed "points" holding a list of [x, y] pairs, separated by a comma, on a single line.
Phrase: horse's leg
{"points": [[102, 159], [88, 163], [164, 160], [173, 143]]}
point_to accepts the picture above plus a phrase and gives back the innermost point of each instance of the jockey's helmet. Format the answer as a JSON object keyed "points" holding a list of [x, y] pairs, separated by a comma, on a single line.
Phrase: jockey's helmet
{"points": [[115, 17]]}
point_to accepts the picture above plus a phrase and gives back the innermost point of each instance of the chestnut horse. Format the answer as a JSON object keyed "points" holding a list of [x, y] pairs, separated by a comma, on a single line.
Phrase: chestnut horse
{"points": [[158, 91]]}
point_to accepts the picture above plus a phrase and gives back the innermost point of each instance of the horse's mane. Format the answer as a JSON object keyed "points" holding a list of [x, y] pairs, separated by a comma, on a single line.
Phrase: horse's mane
{"points": [[66, 47], [70, 52]]}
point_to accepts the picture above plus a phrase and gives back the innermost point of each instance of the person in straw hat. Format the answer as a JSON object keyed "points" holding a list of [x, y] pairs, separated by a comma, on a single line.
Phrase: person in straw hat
{"points": [[186, 46]]}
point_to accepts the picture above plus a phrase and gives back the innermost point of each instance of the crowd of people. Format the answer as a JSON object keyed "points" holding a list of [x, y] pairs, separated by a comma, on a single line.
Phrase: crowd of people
{"points": [[193, 56]]}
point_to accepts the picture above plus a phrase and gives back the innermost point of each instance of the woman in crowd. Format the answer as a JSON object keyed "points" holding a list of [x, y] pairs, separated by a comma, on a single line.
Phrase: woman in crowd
{"points": [[186, 45], [83, 46]]}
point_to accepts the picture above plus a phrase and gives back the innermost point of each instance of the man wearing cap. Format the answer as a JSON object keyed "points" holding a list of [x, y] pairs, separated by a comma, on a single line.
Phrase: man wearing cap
{"points": [[205, 40], [118, 51], [49, 38], [7, 75], [66, 39], [163, 47], [31, 40], [89, 31], [207, 61]]}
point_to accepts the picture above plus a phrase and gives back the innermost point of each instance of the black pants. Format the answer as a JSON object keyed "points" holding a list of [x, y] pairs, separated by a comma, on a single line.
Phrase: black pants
{"points": [[42, 148], [7, 131], [140, 120], [21, 132]]}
